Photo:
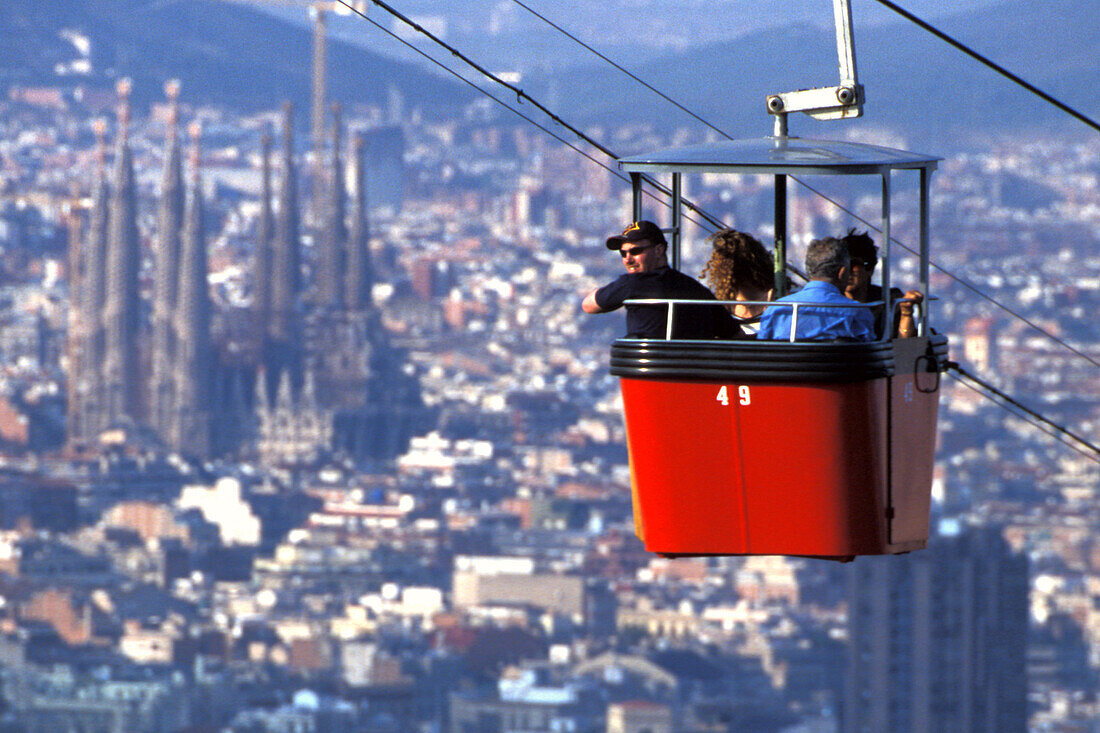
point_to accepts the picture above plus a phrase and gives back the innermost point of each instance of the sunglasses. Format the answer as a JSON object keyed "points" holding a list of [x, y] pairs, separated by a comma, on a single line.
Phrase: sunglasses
{"points": [[634, 250]]}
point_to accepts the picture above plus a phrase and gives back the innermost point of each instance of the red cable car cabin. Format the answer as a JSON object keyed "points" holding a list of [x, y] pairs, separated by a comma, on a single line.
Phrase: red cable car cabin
{"points": [[783, 448]]}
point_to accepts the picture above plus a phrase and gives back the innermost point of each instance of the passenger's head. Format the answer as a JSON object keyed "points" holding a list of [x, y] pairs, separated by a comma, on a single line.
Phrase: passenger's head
{"points": [[739, 268], [642, 246], [864, 257], [862, 249], [827, 259]]}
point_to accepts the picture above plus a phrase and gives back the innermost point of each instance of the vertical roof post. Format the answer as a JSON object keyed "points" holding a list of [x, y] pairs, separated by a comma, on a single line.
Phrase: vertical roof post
{"points": [[636, 192], [925, 180], [888, 330], [677, 212]]}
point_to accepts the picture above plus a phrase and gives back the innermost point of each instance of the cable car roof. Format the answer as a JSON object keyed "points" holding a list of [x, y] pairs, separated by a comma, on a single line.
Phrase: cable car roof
{"points": [[778, 155]]}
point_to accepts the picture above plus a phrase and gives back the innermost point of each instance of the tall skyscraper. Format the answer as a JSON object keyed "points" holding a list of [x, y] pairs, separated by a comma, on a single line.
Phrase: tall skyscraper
{"points": [[937, 639]]}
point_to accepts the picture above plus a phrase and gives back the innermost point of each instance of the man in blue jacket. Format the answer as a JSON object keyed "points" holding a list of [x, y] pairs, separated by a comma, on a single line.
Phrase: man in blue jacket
{"points": [[827, 265]]}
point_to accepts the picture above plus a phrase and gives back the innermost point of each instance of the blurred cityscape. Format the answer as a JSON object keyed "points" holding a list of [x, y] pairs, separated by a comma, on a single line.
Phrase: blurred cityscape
{"points": [[307, 432]]}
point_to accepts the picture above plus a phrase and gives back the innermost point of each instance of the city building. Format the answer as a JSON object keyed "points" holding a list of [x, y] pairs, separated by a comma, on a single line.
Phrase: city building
{"points": [[938, 639], [311, 374]]}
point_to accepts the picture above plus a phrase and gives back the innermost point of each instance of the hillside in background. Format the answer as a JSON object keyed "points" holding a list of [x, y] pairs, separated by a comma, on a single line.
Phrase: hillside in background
{"points": [[915, 83], [239, 56], [222, 52]]}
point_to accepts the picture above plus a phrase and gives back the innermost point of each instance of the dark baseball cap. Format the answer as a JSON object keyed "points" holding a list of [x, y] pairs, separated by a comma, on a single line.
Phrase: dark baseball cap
{"points": [[636, 232]]}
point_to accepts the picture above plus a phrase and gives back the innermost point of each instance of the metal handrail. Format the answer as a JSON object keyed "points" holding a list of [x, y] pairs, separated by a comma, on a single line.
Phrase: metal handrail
{"points": [[794, 306]]}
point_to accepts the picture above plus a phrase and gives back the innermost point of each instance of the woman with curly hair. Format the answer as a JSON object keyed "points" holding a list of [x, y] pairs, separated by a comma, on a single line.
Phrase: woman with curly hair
{"points": [[740, 268]]}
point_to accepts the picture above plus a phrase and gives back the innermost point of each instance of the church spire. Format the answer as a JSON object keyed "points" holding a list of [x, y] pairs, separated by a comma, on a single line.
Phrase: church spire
{"points": [[286, 274], [265, 228], [122, 311], [95, 254], [91, 299], [359, 278], [333, 262], [283, 347], [167, 258], [194, 359]]}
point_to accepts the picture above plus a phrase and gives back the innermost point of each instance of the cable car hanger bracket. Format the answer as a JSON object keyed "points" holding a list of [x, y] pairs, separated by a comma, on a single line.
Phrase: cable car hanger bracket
{"points": [[843, 101]]}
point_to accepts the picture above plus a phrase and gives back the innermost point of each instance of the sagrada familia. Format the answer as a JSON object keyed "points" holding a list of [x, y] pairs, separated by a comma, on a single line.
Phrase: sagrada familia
{"points": [[305, 371]]}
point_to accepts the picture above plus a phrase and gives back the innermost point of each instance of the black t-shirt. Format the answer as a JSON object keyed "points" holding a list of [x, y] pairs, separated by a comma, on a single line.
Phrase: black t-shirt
{"points": [[648, 321], [874, 292]]}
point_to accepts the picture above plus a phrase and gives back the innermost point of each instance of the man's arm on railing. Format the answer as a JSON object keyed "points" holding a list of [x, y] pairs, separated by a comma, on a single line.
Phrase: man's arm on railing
{"points": [[589, 305]]}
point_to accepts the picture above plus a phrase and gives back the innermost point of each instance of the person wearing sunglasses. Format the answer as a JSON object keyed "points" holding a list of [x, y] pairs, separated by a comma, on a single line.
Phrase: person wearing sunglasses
{"points": [[864, 256], [643, 249]]}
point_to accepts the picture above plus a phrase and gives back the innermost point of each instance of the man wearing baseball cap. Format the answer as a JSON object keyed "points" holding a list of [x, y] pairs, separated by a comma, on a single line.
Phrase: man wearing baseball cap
{"points": [[643, 249]]}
